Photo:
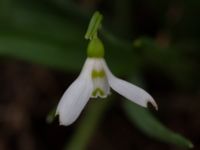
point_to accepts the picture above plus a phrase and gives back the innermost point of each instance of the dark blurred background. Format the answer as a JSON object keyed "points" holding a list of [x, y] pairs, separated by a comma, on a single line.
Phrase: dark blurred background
{"points": [[149, 42]]}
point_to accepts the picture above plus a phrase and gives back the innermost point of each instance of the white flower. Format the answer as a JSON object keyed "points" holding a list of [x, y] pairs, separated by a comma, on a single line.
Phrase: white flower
{"points": [[94, 81]]}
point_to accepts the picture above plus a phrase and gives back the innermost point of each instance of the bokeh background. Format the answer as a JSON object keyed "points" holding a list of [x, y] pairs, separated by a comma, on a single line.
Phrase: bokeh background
{"points": [[152, 43]]}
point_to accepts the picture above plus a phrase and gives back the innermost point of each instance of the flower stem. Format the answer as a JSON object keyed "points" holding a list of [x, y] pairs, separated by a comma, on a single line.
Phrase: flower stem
{"points": [[88, 125], [94, 25]]}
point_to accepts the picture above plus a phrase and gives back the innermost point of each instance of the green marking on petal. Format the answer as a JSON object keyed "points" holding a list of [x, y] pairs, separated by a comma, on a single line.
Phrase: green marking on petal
{"points": [[98, 74], [98, 90]]}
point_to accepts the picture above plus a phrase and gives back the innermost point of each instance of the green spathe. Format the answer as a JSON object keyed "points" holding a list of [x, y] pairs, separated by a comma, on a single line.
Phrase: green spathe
{"points": [[95, 48]]}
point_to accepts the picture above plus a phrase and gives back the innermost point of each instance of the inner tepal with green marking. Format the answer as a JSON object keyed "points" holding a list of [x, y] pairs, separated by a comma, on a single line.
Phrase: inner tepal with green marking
{"points": [[100, 81]]}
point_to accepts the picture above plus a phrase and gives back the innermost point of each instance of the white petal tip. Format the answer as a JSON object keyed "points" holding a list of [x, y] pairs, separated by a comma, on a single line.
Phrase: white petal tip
{"points": [[64, 123], [153, 103]]}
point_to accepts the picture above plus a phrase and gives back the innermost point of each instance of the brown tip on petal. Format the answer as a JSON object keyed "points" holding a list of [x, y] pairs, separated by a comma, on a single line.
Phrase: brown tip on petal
{"points": [[152, 103]]}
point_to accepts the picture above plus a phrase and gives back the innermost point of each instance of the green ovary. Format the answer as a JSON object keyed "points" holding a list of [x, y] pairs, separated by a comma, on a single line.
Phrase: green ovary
{"points": [[95, 48]]}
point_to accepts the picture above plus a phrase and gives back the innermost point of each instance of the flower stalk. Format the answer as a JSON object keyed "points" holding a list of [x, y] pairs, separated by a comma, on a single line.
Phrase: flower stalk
{"points": [[94, 26]]}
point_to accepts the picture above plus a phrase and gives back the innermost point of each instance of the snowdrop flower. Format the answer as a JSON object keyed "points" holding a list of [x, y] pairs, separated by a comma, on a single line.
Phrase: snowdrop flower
{"points": [[95, 81]]}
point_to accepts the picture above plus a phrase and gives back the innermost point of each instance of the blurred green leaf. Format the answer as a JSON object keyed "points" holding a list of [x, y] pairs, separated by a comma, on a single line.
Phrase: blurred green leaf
{"points": [[178, 67], [66, 56], [146, 122], [42, 37], [37, 33], [38, 51]]}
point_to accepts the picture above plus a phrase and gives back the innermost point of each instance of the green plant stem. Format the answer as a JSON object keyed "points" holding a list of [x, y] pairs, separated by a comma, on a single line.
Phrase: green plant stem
{"points": [[94, 25], [88, 125]]}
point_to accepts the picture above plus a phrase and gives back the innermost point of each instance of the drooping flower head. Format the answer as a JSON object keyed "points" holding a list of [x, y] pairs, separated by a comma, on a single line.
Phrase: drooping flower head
{"points": [[95, 80]]}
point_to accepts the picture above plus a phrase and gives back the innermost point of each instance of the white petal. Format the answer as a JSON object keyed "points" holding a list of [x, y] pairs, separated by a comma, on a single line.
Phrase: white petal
{"points": [[76, 96], [128, 90]]}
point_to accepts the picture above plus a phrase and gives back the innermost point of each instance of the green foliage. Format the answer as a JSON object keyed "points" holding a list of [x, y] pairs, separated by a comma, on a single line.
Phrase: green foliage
{"points": [[88, 125], [146, 122]]}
